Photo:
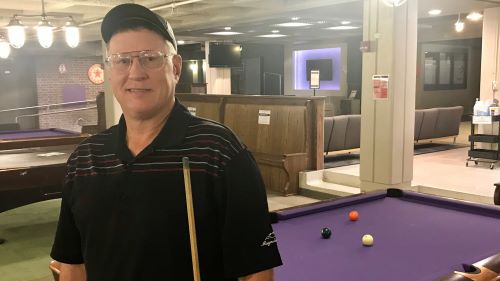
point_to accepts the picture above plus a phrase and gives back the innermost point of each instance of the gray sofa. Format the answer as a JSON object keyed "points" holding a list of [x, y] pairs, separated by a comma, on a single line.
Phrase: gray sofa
{"points": [[344, 131], [438, 122]]}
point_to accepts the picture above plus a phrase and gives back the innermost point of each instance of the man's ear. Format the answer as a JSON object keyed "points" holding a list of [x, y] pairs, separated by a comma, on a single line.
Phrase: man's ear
{"points": [[177, 63]]}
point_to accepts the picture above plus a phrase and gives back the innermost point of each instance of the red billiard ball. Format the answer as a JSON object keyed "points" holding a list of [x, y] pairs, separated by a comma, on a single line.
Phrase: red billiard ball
{"points": [[353, 215]]}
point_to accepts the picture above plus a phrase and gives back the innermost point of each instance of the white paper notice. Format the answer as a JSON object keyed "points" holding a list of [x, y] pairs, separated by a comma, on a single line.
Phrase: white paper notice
{"points": [[314, 82], [192, 110], [265, 117]]}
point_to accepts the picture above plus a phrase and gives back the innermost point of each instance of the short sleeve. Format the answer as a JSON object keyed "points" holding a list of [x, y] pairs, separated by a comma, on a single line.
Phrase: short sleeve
{"points": [[249, 243], [67, 242]]}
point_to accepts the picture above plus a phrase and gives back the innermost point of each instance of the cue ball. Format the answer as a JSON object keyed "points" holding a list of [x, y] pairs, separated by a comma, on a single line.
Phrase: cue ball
{"points": [[367, 240], [353, 215], [326, 233]]}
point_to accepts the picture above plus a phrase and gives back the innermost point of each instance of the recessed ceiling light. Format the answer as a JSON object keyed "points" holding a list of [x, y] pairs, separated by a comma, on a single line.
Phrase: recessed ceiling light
{"points": [[345, 22], [295, 18], [275, 35], [275, 31], [181, 42], [227, 28], [434, 12], [321, 22], [474, 16], [342, 27], [293, 24], [251, 31], [7, 72], [225, 33]]}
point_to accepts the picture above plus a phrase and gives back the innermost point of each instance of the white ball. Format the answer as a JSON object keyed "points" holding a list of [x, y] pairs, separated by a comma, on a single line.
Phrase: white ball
{"points": [[367, 240]]}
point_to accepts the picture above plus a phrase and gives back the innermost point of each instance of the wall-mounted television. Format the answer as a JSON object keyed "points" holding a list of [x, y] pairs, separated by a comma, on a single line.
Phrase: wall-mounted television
{"points": [[323, 65], [224, 55], [191, 51]]}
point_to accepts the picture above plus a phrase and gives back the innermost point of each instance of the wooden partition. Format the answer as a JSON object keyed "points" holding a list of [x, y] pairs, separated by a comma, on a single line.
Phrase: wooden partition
{"points": [[291, 142]]}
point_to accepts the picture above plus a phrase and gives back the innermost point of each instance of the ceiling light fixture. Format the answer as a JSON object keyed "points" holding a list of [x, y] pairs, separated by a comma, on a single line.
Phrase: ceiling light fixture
{"points": [[474, 16], [275, 31], [293, 24], [434, 12], [345, 22], [295, 18], [394, 3], [181, 42], [227, 28], [4, 47], [17, 36], [342, 27], [225, 33], [321, 22], [274, 35], [459, 25]]}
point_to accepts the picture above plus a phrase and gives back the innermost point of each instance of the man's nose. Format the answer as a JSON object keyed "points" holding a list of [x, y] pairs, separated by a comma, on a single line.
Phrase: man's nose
{"points": [[137, 71]]}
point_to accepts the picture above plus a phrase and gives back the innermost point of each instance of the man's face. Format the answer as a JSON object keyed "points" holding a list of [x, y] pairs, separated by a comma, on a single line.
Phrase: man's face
{"points": [[143, 93]]}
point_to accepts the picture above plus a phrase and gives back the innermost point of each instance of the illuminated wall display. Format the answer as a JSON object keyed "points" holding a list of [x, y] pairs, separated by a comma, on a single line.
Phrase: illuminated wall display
{"points": [[329, 57]]}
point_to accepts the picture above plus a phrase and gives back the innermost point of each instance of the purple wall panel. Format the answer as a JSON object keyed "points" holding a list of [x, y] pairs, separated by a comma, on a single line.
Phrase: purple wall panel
{"points": [[300, 58]]}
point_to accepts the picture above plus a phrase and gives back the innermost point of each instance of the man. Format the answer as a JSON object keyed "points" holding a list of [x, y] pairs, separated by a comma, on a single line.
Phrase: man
{"points": [[123, 213]]}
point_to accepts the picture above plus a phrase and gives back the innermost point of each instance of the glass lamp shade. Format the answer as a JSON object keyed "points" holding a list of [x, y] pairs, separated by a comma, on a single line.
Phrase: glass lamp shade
{"points": [[44, 34], [394, 3], [72, 36], [16, 34], [4, 48], [459, 26]]}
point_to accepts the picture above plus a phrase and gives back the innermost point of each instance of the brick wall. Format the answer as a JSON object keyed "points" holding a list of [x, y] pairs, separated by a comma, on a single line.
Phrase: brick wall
{"points": [[50, 85]]}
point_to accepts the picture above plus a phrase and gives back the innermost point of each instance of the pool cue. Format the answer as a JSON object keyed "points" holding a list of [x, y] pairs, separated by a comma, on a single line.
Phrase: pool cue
{"points": [[191, 221]]}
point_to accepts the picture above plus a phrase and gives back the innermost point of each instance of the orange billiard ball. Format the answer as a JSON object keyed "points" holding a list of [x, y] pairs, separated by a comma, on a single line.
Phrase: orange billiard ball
{"points": [[353, 215]]}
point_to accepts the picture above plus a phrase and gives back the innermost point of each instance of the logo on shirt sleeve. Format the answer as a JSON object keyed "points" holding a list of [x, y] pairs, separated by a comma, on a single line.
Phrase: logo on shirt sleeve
{"points": [[270, 239]]}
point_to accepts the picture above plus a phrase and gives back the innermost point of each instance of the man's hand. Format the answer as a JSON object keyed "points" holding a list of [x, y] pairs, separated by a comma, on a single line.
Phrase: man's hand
{"points": [[266, 275], [72, 272]]}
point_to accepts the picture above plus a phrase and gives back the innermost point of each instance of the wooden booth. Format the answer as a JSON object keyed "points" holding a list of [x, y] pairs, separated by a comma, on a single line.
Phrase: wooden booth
{"points": [[285, 134]]}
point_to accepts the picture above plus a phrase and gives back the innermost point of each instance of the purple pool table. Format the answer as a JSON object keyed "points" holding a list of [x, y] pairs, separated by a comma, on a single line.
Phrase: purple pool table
{"points": [[417, 237], [39, 138]]}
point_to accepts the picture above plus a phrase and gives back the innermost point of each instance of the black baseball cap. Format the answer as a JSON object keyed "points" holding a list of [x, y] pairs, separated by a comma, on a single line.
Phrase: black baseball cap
{"points": [[133, 15]]}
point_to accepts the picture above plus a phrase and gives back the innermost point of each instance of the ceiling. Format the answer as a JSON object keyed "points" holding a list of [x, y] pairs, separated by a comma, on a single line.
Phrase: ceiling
{"points": [[193, 19]]}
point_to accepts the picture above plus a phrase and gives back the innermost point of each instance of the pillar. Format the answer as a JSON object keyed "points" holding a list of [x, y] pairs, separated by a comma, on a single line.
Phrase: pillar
{"points": [[387, 125]]}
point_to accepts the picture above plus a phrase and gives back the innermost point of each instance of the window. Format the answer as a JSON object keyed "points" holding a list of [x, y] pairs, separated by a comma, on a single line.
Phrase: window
{"points": [[445, 70]]}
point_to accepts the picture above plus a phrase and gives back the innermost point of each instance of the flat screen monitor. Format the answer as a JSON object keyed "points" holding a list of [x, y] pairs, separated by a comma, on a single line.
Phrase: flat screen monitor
{"points": [[323, 65], [224, 55]]}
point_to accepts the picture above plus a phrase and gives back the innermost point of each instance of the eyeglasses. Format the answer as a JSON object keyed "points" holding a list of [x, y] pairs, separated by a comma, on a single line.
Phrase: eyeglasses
{"points": [[122, 62]]}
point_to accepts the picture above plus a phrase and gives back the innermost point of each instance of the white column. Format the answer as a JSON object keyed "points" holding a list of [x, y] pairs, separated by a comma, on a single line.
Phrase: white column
{"points": [[490, 66], [387, 125]]}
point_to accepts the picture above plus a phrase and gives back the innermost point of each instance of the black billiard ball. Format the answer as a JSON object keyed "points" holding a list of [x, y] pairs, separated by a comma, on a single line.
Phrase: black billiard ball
{"points": [[326, 233]]}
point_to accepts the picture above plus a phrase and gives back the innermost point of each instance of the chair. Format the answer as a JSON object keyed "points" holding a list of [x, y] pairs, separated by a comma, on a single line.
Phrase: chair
{"points": [[55, 267]]}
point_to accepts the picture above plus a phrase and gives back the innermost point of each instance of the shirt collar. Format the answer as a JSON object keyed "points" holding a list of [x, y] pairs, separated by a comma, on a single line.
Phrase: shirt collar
{"points": [[172, 133]]}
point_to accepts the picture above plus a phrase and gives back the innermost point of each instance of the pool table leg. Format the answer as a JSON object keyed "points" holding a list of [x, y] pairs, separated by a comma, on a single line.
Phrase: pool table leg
{"points": [[496, 197]]}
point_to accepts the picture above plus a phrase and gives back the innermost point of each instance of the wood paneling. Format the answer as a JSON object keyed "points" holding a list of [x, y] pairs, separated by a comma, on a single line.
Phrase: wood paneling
{"points": [[292, 142]]}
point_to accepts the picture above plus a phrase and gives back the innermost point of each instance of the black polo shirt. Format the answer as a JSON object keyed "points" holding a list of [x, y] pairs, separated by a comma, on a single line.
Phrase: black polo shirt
{"points": [[125, 217]]}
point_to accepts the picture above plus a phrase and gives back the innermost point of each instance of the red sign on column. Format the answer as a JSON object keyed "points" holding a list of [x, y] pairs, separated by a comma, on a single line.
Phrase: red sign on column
{"points": [[380, 86]]}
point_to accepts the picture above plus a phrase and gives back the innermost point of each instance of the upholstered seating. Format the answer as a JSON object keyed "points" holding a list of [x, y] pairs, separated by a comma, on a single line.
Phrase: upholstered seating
{"points": [[448, 121], [344, 131]]}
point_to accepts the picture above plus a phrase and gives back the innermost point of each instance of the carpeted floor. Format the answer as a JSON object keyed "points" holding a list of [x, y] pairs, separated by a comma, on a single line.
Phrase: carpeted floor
{"points": [[29, 232], [339, 160]]}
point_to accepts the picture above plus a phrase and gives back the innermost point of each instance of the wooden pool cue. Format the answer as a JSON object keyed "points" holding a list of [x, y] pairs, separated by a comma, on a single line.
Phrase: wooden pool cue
{"points": [[191, 221]]}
